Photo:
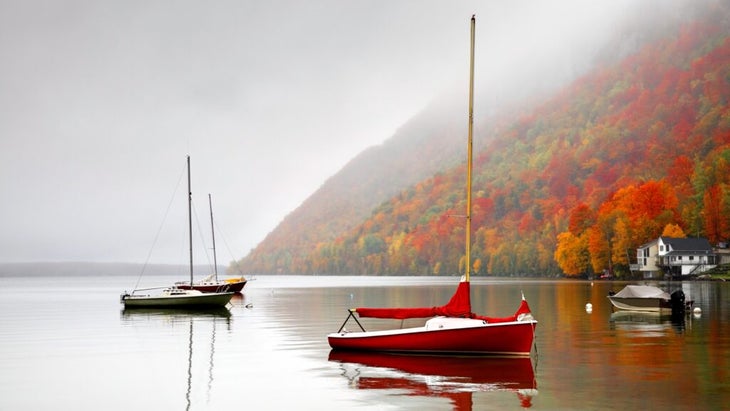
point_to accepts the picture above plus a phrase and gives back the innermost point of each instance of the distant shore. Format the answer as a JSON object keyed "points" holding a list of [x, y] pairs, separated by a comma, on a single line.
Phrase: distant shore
{"points": [[64, 268], [97, 269]]}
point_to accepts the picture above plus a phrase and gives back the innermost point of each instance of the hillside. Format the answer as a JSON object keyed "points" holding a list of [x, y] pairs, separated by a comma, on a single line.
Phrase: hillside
{"points": [[346, 199], [584, 166]]}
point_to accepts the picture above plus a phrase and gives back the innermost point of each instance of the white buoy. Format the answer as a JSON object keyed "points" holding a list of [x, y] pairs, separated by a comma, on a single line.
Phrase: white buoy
{"points": [[589, 307]]}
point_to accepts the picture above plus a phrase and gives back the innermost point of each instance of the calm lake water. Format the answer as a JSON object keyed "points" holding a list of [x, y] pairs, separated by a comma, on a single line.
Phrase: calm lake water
{"points": [[67, 343]]}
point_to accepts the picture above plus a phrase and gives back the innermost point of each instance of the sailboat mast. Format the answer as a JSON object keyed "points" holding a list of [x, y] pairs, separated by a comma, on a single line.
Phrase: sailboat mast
{"points": [[212, 232], [190, 223], [469, 150]]}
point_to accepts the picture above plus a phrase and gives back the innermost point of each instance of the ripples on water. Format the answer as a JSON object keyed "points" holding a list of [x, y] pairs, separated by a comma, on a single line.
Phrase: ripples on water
{"points": [[68, 344]]}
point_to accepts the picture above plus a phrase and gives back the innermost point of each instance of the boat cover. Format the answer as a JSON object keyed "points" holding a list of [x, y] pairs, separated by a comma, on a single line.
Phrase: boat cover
{"points": [[642, 291], [459, 306]]}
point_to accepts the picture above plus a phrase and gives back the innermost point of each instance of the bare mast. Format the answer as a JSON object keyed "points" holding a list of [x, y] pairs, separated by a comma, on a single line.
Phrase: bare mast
{"points": [[469, 150], [190, 223], [212, 233]]}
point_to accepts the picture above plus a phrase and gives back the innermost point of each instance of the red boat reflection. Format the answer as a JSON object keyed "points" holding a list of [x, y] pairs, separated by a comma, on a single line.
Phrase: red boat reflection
{"points": [[450, 377]]}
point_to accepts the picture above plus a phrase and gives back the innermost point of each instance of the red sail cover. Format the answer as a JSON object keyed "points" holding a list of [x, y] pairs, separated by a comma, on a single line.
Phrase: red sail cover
{"points": [[458, 306], [524, 309]]}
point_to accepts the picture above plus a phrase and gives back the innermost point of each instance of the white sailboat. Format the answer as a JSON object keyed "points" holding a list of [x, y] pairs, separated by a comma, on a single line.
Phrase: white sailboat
{"points": [[174, 297]]}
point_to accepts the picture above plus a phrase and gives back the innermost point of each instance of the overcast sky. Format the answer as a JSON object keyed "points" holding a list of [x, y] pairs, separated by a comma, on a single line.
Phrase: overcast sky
{"points": [[100, 102]]}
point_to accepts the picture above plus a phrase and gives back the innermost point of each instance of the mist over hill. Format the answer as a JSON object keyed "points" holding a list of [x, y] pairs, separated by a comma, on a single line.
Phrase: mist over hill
{"points": [[547, 141]]}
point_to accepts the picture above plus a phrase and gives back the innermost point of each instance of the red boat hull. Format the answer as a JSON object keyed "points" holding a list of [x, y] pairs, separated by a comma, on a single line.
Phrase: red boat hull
{"points": [[471, 337], [235, 287]]}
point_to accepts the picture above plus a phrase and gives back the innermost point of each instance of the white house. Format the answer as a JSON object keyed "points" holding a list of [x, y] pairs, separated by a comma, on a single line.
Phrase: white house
{"points": [[676, 257]]}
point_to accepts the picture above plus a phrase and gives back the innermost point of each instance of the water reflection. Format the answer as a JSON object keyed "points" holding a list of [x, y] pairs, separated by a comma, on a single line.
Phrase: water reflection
{"points": [[647, 324], [455, 378], [208, 316], [141, 313]]}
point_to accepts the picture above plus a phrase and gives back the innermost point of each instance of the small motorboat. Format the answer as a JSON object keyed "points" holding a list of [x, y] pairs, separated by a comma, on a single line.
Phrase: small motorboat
{"points": [[650, 299]]}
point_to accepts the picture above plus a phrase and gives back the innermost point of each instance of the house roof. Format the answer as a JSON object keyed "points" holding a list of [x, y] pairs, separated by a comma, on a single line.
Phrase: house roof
{"points": [[649, 244], [687, 244]]}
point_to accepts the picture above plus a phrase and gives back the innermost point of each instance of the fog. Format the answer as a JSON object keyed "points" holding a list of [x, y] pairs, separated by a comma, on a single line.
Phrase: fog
{"points": [[100, 102]]}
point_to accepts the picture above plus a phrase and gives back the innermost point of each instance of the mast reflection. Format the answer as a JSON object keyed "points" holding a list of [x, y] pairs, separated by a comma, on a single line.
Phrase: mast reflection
{"points": [[212, 316]]}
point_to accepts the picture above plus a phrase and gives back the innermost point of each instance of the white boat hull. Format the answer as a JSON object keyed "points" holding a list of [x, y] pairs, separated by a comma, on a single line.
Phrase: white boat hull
{"points": [[653, 305], [182, 300]]}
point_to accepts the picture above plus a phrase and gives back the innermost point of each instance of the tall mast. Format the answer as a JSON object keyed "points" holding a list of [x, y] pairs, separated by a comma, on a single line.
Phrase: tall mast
{"points": [[190, 223], [468, 150], [212, 232]]}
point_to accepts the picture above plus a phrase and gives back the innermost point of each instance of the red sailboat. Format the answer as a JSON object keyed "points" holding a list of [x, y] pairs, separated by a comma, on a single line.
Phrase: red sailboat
{"points": [[455, 329]]}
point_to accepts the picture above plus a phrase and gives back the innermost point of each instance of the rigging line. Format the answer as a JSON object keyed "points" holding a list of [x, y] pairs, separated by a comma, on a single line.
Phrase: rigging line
{"points": [[202, 237], [222, 234], [159, 230], [534, 343]]}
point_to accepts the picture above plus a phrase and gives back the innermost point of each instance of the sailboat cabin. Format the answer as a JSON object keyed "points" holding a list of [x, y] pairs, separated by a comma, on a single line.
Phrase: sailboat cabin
{"points": [[675, 257]]}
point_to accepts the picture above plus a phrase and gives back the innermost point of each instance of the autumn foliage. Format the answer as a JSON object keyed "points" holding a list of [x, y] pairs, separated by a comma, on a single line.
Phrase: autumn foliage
{"points": [[571, 187]]}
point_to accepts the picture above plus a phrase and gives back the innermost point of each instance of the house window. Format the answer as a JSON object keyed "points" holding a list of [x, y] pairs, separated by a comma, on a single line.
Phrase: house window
{"points": [[691, 258], [661, 248]]}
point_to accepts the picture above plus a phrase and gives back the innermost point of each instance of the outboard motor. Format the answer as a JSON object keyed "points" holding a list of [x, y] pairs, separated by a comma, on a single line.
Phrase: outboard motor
{"points": [[678, 303]]}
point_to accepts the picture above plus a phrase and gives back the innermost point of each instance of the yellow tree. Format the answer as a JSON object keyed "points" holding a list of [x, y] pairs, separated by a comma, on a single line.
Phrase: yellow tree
{"points": [[477, 266], [571, 254], [673, 231], [603, 236], [623, 242]]}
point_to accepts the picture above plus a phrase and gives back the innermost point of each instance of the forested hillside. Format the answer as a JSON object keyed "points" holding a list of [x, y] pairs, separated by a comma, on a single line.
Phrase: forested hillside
{"points": [[572, 186], [345, 200]]}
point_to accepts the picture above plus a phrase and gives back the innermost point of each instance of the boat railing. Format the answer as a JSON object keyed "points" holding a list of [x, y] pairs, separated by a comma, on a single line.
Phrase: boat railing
{"points": [[351, 314], [148, 289]]}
